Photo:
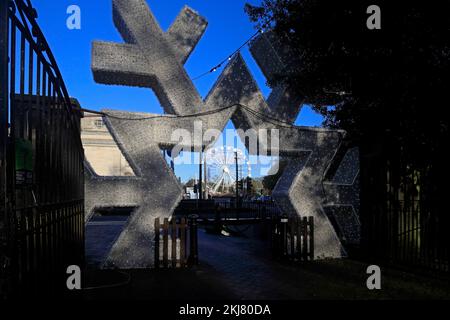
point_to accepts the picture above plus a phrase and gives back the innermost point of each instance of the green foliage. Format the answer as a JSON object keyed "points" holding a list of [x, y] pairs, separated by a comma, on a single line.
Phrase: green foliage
{"points": [[368, 82], [191, 183]]}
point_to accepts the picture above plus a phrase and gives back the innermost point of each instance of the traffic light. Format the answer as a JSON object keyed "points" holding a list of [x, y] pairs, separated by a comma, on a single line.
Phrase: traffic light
{"points": [[241, 185]]}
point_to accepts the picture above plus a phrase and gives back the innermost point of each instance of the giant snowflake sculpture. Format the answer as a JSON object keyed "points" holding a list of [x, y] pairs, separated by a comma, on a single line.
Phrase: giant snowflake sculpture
{"points": [[154, 59]]}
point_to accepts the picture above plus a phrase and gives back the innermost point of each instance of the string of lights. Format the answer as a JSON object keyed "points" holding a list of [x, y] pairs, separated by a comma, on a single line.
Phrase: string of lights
{"points": [[193, 115], [267, 118], [260, 115], [224, 61]]}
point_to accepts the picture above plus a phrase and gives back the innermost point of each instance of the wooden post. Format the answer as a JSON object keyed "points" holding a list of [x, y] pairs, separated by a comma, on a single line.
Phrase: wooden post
{"points": [[174, 243], [183, 243], [273, 236], [193, 252], [292, 234], [311, 238], [305, 238], [284, 221], [166, 242], [157, 230], [299, 238]]}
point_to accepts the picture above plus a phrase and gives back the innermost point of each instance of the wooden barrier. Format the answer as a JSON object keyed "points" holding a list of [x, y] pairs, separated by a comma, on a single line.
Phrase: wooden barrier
{"points": [[170, 243]]}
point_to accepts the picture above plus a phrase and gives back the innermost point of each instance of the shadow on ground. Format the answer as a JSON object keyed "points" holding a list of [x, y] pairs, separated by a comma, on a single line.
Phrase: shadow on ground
{"points": [[241, 268]]}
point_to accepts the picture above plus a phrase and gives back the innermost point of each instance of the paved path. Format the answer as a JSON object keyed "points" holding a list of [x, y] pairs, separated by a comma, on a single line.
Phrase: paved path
{"points": [[101, 233], [246, 268], [242, 268]]}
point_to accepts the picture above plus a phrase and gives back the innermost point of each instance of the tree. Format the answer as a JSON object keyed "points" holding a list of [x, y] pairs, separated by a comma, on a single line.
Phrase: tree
{"points": [[191, 183], [368, 82], [257, 186], [388, 89]]}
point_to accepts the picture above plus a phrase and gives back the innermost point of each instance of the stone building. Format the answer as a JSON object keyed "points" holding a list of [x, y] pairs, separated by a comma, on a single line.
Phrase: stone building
{"points": [[100, 148]]}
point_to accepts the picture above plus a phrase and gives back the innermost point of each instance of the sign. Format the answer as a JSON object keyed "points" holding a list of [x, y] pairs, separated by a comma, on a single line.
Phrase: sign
{"points": [[24, 162]]}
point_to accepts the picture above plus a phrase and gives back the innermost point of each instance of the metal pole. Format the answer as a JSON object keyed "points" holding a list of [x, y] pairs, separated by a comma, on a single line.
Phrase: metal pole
{"points": [[206, 179], [200, 182], [4, 91], [284, 221], [4, 64], [237, 180]]}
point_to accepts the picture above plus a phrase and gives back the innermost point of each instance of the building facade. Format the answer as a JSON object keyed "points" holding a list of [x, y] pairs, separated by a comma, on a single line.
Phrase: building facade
{"points": [[100, 148]]}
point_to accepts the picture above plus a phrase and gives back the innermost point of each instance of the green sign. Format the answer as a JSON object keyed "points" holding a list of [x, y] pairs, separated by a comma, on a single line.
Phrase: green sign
{"points": [[24, 162]]}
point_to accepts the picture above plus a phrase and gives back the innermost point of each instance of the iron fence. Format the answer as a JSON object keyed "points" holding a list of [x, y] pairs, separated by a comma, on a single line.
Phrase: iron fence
{"points": [[42, 178], [226, 210], [404, 220]]}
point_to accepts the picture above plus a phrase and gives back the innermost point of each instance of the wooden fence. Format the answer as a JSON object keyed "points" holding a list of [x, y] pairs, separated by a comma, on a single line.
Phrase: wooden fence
{"points": [[171, 238], [293, 238]]}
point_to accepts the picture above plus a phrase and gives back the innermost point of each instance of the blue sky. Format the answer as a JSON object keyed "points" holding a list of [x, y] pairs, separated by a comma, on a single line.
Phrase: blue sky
{"points": [[228, 28]]}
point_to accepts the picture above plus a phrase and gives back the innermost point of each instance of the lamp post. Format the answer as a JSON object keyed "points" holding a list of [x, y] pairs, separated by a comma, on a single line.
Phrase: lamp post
{"points": [[237, 179], [200, 182]]}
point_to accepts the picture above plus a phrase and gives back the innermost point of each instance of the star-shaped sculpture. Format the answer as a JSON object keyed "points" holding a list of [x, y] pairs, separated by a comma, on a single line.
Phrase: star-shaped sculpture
{"points": [[149, 57], [342, 196], [300, 188], [339, 196], [154, 192], [153, 59]]}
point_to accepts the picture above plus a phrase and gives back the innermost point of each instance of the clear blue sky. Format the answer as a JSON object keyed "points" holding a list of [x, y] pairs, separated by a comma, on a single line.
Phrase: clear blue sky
{"points": [[228, 28]]}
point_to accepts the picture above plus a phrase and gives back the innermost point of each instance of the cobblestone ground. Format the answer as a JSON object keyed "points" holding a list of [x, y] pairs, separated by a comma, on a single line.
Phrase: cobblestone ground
{"points": [[247, 269], [242, 268], [246, 265]]}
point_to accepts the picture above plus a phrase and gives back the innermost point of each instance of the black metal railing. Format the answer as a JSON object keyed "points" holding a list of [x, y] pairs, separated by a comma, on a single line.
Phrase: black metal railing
{"points": [[404, 215], [226, 210], [41, 159]]}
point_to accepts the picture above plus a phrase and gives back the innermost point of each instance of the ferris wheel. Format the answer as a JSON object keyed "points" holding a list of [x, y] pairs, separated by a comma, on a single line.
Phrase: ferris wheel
{"points": [[221, 166]]}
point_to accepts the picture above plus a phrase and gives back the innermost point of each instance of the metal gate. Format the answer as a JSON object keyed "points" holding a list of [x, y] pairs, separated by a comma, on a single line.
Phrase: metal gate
{"points": [[404, 216], [41, 160]]}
